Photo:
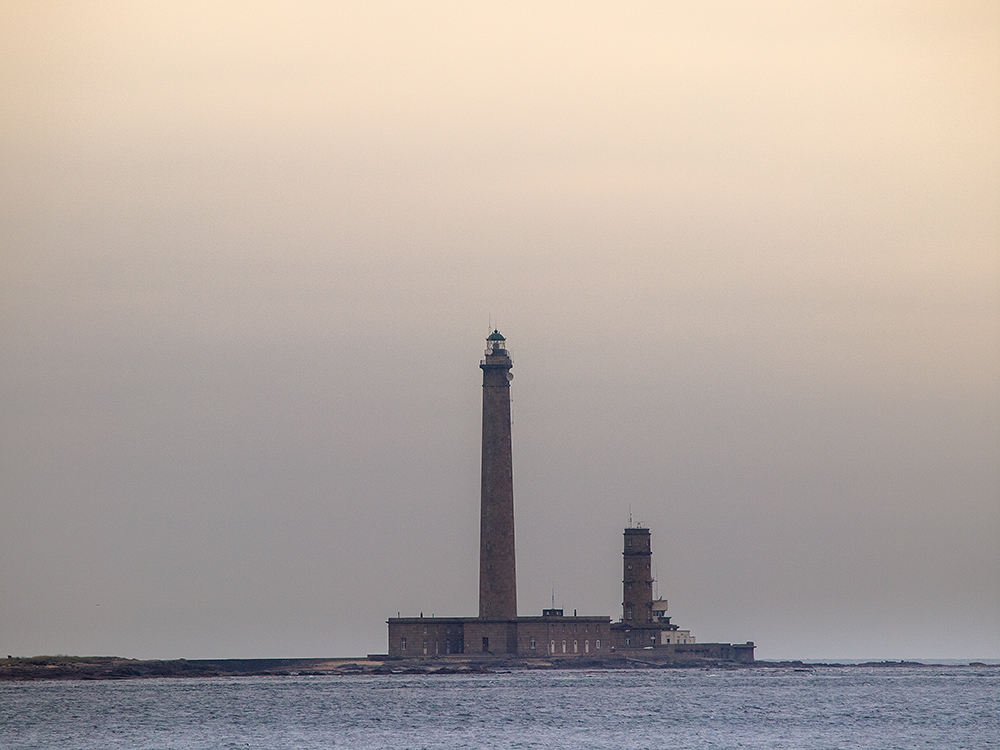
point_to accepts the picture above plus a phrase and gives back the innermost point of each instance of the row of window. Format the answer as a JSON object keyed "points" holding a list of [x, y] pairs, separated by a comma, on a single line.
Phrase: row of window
{"points": [[532, 645]]}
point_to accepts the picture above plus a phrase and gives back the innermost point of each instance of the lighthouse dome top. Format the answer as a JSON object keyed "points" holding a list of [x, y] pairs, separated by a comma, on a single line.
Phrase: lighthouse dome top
{"points": [[496, 349]]}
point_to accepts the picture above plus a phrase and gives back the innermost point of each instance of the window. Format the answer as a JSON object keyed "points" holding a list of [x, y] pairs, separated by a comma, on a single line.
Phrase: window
{"points": [[402, 644], [628, 611], [652, 640], [425, 648], [486, 643], [586, 647], [564, 647], [552, 647], [597, 644], [531, 644], [576, 649]]}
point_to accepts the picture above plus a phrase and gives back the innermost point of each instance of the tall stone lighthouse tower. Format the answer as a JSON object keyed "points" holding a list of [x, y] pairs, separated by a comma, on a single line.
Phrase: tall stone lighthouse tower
{"points": [[497, 586]]}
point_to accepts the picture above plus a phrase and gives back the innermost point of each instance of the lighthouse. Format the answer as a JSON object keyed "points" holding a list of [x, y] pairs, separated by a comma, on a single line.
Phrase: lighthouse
{"points": [[498, 632], [497, 580]]}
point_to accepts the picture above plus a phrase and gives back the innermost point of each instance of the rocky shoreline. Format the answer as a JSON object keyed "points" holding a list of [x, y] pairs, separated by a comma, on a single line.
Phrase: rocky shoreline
{"points": [[24, 669]]}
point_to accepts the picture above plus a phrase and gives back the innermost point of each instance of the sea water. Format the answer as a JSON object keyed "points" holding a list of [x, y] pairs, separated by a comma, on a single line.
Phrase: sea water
{"points": [[823, 707]]}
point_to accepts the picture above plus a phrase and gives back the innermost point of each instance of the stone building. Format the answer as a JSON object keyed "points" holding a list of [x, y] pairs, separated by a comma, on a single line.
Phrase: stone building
{"points": [[498, 631]]}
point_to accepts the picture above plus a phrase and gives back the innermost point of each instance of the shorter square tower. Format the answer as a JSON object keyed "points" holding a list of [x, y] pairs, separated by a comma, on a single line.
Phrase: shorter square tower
{"points": [[637, 578]]}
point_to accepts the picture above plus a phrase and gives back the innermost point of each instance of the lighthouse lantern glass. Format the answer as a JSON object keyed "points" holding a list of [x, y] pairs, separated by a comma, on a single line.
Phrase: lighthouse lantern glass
{"points": [[495, 345]]}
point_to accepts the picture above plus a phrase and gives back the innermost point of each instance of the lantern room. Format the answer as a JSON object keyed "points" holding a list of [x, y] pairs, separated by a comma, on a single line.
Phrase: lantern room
{"points": [[495, 344]]}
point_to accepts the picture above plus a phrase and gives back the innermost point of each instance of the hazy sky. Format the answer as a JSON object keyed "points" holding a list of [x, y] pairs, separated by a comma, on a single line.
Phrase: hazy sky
{"points": [[746, 257]]}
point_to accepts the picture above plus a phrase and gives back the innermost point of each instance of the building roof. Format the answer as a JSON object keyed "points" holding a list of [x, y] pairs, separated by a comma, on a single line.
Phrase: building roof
{"points": [[495, 336]]}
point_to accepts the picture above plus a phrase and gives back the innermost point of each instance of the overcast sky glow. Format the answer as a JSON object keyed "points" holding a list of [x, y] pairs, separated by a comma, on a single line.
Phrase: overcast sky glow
{"points": [[746, 257]]}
